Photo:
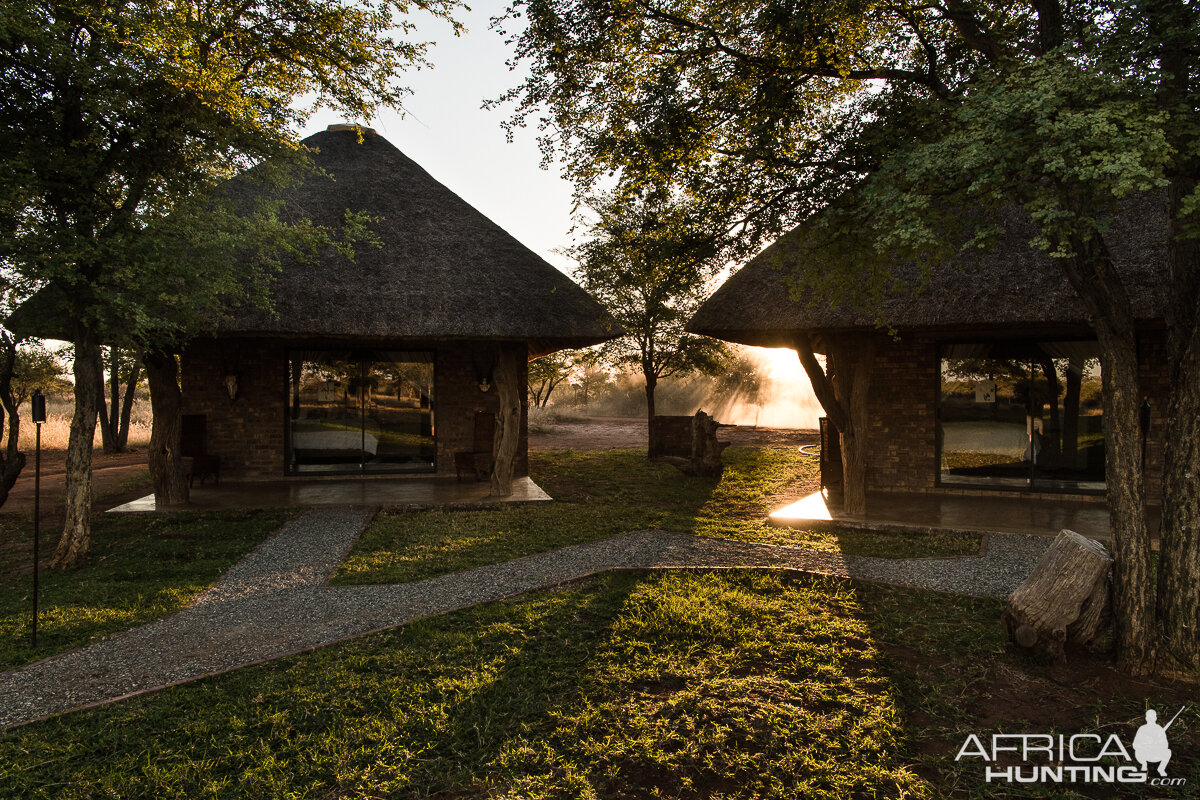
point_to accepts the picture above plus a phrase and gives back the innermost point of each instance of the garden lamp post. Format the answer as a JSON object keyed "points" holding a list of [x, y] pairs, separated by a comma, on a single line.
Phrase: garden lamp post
{"points": [[37, 404]]}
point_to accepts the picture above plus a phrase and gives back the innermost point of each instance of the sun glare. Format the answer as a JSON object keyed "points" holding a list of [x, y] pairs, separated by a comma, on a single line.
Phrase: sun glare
{"points": [[785, 399]]}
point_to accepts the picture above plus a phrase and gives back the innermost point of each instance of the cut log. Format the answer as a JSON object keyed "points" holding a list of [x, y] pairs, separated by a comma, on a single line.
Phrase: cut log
{"points": [[705, 460], [1067, 598]]}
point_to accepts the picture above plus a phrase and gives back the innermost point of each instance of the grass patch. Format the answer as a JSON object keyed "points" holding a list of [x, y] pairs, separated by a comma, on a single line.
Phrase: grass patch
{"points": [[872, 543], [606, 493], [140, 568], [622, 686], [671, 685]]}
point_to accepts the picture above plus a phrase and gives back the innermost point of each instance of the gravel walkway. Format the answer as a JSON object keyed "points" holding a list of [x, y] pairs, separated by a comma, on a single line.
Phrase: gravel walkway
{"points": [[274, 602]]}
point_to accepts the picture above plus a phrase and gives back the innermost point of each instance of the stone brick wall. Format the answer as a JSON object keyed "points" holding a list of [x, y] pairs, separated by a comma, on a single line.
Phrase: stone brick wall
{"points": [[903, 409], [458, 367], [249, 433], [672, 436]]}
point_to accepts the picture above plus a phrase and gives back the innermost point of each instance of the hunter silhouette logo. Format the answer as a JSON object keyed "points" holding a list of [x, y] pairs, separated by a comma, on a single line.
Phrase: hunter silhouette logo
{"points": [[1150, 743], [1078, 758]]}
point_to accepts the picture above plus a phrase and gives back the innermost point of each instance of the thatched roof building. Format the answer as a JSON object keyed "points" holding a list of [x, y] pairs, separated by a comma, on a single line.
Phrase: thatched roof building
{"points": [[982, 374], [409, 358], [1010, 286], [442, 270]]}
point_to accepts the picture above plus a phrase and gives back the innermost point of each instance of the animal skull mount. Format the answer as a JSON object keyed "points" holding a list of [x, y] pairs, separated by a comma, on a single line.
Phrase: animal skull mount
{"points": [[231, 386]]}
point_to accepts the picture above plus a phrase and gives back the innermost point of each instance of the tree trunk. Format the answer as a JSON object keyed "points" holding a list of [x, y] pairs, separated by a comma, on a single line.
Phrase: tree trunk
{"points": [[105, 419], [1133, 582], [1179, 558], [843, 394], [651, 432], [135, 375], [73, 545], [166, 435], [1065, 598], [1092, 274], [508, 421], [13, 460], [1070, 435], [850, 360]]}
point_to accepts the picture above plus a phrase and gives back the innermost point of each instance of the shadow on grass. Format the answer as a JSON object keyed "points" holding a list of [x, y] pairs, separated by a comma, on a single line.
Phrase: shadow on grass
{"points": [[599, 494], [682, 684], [139, 568]]}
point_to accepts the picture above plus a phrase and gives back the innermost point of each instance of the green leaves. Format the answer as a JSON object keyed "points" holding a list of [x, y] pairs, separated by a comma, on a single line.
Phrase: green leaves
{"points": [[648, 262], [124, 118]]}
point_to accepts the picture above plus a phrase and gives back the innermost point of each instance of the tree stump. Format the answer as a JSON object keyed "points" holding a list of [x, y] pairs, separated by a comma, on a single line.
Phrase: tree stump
{"points": [[1067, 598], [705, 461]]}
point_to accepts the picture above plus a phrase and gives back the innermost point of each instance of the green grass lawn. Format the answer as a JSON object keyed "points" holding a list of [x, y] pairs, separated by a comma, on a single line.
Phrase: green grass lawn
{"points": [[607, 493], [654, 685], [140, 568]]}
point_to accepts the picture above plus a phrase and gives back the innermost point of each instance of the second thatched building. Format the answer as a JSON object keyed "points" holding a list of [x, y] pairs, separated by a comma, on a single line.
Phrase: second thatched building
{"points": [[409, 358]]}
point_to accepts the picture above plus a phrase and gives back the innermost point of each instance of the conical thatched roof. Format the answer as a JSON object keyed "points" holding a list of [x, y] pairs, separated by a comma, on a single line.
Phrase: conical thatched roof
{"points": [[444, 270], [1010, 286]]}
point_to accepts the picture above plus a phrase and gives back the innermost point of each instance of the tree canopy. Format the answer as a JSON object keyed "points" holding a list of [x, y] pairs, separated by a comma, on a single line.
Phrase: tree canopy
{"points": [[897, 127], [644, 264], [122, 120]]}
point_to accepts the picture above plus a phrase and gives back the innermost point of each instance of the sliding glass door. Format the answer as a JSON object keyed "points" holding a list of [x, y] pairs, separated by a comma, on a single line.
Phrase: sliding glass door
{"points": [[1021, 415], [360, 411]]}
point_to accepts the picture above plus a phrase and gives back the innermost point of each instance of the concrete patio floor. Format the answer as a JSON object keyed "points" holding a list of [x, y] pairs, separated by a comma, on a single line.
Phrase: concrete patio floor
{"points": [[1008, 514], [406, 492]]}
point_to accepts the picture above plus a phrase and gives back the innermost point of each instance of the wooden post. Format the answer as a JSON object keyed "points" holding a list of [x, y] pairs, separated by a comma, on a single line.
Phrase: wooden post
{"points": [[842, 390], [507, 437], [166, 434]]}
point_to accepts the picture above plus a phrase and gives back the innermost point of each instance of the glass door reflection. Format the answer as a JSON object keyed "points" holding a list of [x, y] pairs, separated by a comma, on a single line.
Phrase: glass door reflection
{"points": [[356, 412], [1022, 416]]}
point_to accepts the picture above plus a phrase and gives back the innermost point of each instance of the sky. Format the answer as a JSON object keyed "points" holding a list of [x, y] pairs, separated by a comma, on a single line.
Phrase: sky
{"points": [[447, 132]]}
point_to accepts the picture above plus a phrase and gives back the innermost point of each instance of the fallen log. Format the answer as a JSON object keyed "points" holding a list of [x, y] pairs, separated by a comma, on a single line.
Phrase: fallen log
{"points": [[1067, 598]]}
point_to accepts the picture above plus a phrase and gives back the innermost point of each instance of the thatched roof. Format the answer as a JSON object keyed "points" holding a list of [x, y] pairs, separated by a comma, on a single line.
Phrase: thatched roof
{"points": [[1009, 287], [444, 270]]}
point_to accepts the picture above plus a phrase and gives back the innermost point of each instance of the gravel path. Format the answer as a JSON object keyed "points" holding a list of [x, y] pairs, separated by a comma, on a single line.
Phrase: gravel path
{"points": [[274, 602]]}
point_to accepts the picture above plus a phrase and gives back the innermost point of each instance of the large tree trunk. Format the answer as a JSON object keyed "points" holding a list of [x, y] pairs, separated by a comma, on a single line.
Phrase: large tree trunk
{"points": [[1179, 558], [843, 394], [850, 360], [166, 434], [76, 535], [1094, 278], [13, 460], [508, 421], [1133, 582]]}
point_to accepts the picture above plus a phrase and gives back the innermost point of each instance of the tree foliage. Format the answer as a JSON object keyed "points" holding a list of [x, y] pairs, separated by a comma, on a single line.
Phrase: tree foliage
{"points": [[908, 127], [546, 374], [642, 262], [124, 117]]}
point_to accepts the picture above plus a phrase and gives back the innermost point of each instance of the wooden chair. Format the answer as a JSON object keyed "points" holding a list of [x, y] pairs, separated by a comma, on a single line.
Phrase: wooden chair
{"points": [[197, 463], [478, 460]]}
